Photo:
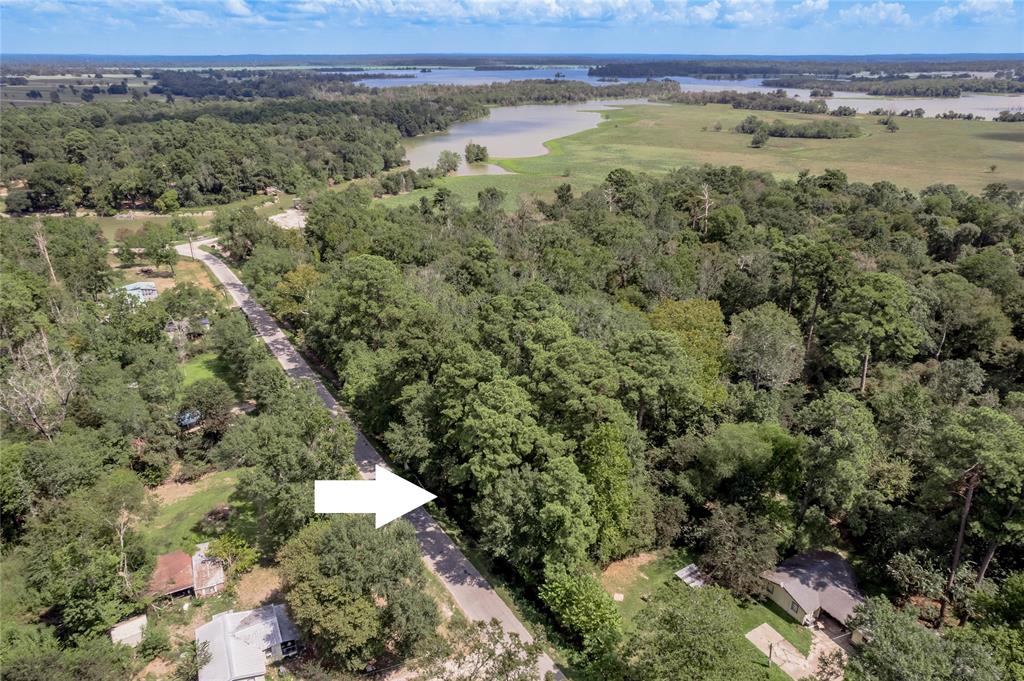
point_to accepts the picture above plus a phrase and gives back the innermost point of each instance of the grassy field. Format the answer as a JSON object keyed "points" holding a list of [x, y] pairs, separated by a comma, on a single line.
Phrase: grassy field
{"points": [[185, 271], [203, 215], [63, 84], [206, 365], [656, 139], [175, 525], [636, 579]]}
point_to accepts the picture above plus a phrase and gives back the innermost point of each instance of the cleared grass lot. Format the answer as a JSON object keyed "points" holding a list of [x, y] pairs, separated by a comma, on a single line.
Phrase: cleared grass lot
{"points": [[176, 524], [203, 215], [656, 139], [638, 579]]}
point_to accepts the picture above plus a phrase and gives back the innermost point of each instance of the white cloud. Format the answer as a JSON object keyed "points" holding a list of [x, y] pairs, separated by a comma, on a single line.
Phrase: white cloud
{"points": [[809, 7], [733, 12], [979, 11], [237, 8], [310, 7], [705, 14], [183, 16], [749, 12], [877, 14]]}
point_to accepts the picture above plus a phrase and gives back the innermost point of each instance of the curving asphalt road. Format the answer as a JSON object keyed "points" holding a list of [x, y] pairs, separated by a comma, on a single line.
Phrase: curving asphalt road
{"points": [[467, 586]]}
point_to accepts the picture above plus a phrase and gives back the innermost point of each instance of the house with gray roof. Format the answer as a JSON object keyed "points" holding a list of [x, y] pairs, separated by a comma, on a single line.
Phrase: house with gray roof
{"points": [[143, 291], [814, 585], [241, 643]]}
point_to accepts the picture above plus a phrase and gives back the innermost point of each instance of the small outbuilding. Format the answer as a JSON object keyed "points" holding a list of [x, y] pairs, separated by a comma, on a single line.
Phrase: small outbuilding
{"points": [[130, 631], [207, 573], [172, 576], [179, 574], [692, 576], [814, 585]]}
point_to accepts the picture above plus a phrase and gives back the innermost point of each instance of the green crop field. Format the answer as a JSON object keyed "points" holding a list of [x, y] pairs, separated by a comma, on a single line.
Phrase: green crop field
{"points": [[658, 138]]}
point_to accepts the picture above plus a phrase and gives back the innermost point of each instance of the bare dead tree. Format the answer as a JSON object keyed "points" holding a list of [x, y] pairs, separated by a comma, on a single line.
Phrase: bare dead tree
{"points": [[705, 191], [40, 239], [122, 523], [38, 386]]}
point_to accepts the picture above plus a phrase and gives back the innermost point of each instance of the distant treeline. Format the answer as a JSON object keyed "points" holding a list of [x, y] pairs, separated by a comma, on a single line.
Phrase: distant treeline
{"points": [[773, 67], [824, 129], [656, 65], [246, 84], [771, 101], [539, 91], [503, 67], [214, 84], [903, 87]]}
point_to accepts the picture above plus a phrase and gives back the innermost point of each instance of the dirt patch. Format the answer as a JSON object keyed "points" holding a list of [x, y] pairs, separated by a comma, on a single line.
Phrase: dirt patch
{"points": [[158, 668], [184, 271], [289, 219], [619, 575], [255, 588]]}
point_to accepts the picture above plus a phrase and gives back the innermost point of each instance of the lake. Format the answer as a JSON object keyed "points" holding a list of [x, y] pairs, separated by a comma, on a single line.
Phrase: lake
{"points": [[509, 132], [977, 104]]}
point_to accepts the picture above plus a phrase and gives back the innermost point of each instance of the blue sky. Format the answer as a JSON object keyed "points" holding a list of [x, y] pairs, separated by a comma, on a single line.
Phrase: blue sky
{"points": [[565, 26]]}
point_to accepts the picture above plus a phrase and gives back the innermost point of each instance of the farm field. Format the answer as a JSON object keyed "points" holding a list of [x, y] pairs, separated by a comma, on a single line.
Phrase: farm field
{"points": [[658, 138], [69, 87]]}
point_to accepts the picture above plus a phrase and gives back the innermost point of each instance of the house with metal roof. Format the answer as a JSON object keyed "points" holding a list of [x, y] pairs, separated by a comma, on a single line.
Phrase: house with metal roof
{"points": [[207, 573], [179, 574], [143, 291], [241, 643], [172, 576], [814, 585]]}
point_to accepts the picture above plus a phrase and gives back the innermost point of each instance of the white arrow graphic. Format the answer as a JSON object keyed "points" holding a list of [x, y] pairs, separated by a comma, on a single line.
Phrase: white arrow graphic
{"points": [[387, 497]]}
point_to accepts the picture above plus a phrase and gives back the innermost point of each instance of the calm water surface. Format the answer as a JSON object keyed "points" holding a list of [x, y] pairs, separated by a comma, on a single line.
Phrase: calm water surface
{"points": [[510, 132], [979, 105]]}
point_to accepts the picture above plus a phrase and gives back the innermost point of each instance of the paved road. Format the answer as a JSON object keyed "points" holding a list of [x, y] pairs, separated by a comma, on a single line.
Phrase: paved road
{"points": [[468, 588]]}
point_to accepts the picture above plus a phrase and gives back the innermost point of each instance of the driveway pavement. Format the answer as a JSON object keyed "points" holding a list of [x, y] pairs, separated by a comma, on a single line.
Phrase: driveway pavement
{"points": [[785, 655], [468, 588]]}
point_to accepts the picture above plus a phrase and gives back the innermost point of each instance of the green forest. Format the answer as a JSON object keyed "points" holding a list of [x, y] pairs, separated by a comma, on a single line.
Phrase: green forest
{"points": [[710, 360], [712, 364], [166, 155]]}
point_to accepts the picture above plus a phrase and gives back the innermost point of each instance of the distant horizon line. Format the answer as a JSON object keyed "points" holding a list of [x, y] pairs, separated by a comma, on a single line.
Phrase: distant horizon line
{"points": [[510, 54]]}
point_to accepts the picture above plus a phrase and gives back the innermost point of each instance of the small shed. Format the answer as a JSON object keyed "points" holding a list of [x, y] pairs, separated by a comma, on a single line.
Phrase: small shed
{"points": [[130, 631], [207, 573], [172, 576], [692, 576]]}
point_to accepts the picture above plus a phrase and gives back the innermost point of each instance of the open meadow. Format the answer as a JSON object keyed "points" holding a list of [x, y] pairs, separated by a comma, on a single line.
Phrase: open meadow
{"points": [[658, 138]]}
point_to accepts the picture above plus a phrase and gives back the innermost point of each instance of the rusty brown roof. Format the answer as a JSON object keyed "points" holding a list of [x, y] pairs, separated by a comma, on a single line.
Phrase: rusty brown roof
{"points": [[173, 573]]}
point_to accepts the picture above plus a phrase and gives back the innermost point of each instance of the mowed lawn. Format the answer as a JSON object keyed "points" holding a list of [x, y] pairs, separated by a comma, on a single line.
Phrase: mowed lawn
{"points": [[176, 523], [206, 365], [637, 580], [658, 138]]}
